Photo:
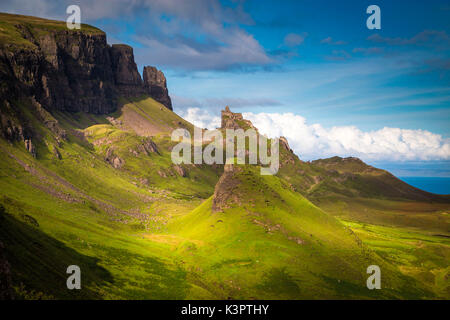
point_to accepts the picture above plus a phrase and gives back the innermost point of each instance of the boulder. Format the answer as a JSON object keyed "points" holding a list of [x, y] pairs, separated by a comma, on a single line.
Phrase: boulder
{"points": [[30, 147], [180, 171]]}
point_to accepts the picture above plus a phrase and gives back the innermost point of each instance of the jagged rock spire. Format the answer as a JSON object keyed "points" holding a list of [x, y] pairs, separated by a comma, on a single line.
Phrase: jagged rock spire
{"points": [[156, 85]]}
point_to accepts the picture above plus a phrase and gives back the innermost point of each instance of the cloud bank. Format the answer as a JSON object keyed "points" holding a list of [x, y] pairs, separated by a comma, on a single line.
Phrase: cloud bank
{"points": [[313, 141], [201, 118], [188, 35]]}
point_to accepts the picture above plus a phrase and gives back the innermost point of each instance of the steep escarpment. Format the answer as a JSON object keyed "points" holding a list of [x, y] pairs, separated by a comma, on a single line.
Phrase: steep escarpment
{"points": [[70, 70], [126, 76], [156, 85], [43, 63], [63, 70]]}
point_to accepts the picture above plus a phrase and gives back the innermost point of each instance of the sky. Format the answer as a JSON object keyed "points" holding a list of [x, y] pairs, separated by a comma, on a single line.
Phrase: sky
{"points": [[308, 70]]}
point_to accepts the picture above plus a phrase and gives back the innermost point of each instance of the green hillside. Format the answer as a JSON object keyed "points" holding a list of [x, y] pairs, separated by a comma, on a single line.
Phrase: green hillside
{"points": [[137, 234], [73, 207], [10, 34], [100, 191], [350, 189], [271, 243]]}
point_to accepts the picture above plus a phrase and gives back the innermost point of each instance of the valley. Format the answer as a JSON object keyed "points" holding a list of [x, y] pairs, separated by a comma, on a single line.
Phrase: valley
{"points": [[96, 187]]}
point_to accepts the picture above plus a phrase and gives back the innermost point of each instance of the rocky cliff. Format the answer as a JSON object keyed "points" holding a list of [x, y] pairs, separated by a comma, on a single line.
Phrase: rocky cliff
{"points": [[71, 70], [126, 76], [65, 70], [156, 85]]}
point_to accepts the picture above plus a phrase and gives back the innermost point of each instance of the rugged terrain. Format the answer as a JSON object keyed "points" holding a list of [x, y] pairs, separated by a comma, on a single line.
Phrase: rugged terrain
{"points": [[86, 178]]}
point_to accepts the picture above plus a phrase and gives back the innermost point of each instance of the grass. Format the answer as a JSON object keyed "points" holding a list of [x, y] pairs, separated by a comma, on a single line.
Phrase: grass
{"points": [[37, 27], [418, 215], [254, 248], [417, 254], [161, 239], [92, 212]]}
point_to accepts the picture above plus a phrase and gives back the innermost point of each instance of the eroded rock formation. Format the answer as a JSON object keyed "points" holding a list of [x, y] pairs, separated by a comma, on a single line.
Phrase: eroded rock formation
{"points": [[127, 78], [156, 85], [75, 71], [224, 192], [61, 70], [233, 120]]}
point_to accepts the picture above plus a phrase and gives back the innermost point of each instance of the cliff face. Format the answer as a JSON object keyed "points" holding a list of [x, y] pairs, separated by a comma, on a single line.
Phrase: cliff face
{"points": [[62, 70], [72, 70], [67, 71], [127, 78], [156, 85]]}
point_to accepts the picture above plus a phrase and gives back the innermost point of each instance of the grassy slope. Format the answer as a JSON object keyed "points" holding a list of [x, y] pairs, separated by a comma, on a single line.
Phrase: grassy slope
{"points": [[10, 34], [157, 241], [350, 189], [253, 248], [416, 253], [161, 240], [97, 212]]}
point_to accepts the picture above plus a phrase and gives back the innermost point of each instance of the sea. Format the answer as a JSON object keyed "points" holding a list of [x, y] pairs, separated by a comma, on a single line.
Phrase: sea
{"points": [[439, 185]]}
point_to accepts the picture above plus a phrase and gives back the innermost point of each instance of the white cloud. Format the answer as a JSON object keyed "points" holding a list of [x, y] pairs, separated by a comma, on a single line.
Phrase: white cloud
{"points": [[424, 38], [294, 39], [190, 35], [201, 118], [238, 49], [313, 141], [329, 40]]}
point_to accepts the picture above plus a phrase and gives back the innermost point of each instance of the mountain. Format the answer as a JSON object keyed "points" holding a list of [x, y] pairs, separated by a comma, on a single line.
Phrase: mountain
{"points": [[66, 71], [86, 178], [272, 243], [350, 189]]}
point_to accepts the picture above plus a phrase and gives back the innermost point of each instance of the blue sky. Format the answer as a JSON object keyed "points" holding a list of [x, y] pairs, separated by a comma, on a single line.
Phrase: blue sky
{"points": [[309, 70]]}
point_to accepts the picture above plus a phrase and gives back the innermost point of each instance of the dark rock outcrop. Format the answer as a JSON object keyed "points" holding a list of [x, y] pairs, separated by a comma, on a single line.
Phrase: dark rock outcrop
{"points": [[113, 159], [229, 119], [233, 120], [156, 86], [224, 192], [74, 71], [127, 78], [47, 70], [285, 144], [148, 146], [180, 170], [67, 71], [12, 125]]}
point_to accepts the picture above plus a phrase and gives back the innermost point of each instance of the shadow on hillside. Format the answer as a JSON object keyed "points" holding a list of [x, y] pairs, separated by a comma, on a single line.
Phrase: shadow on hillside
{"points": [[39, 263]]}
